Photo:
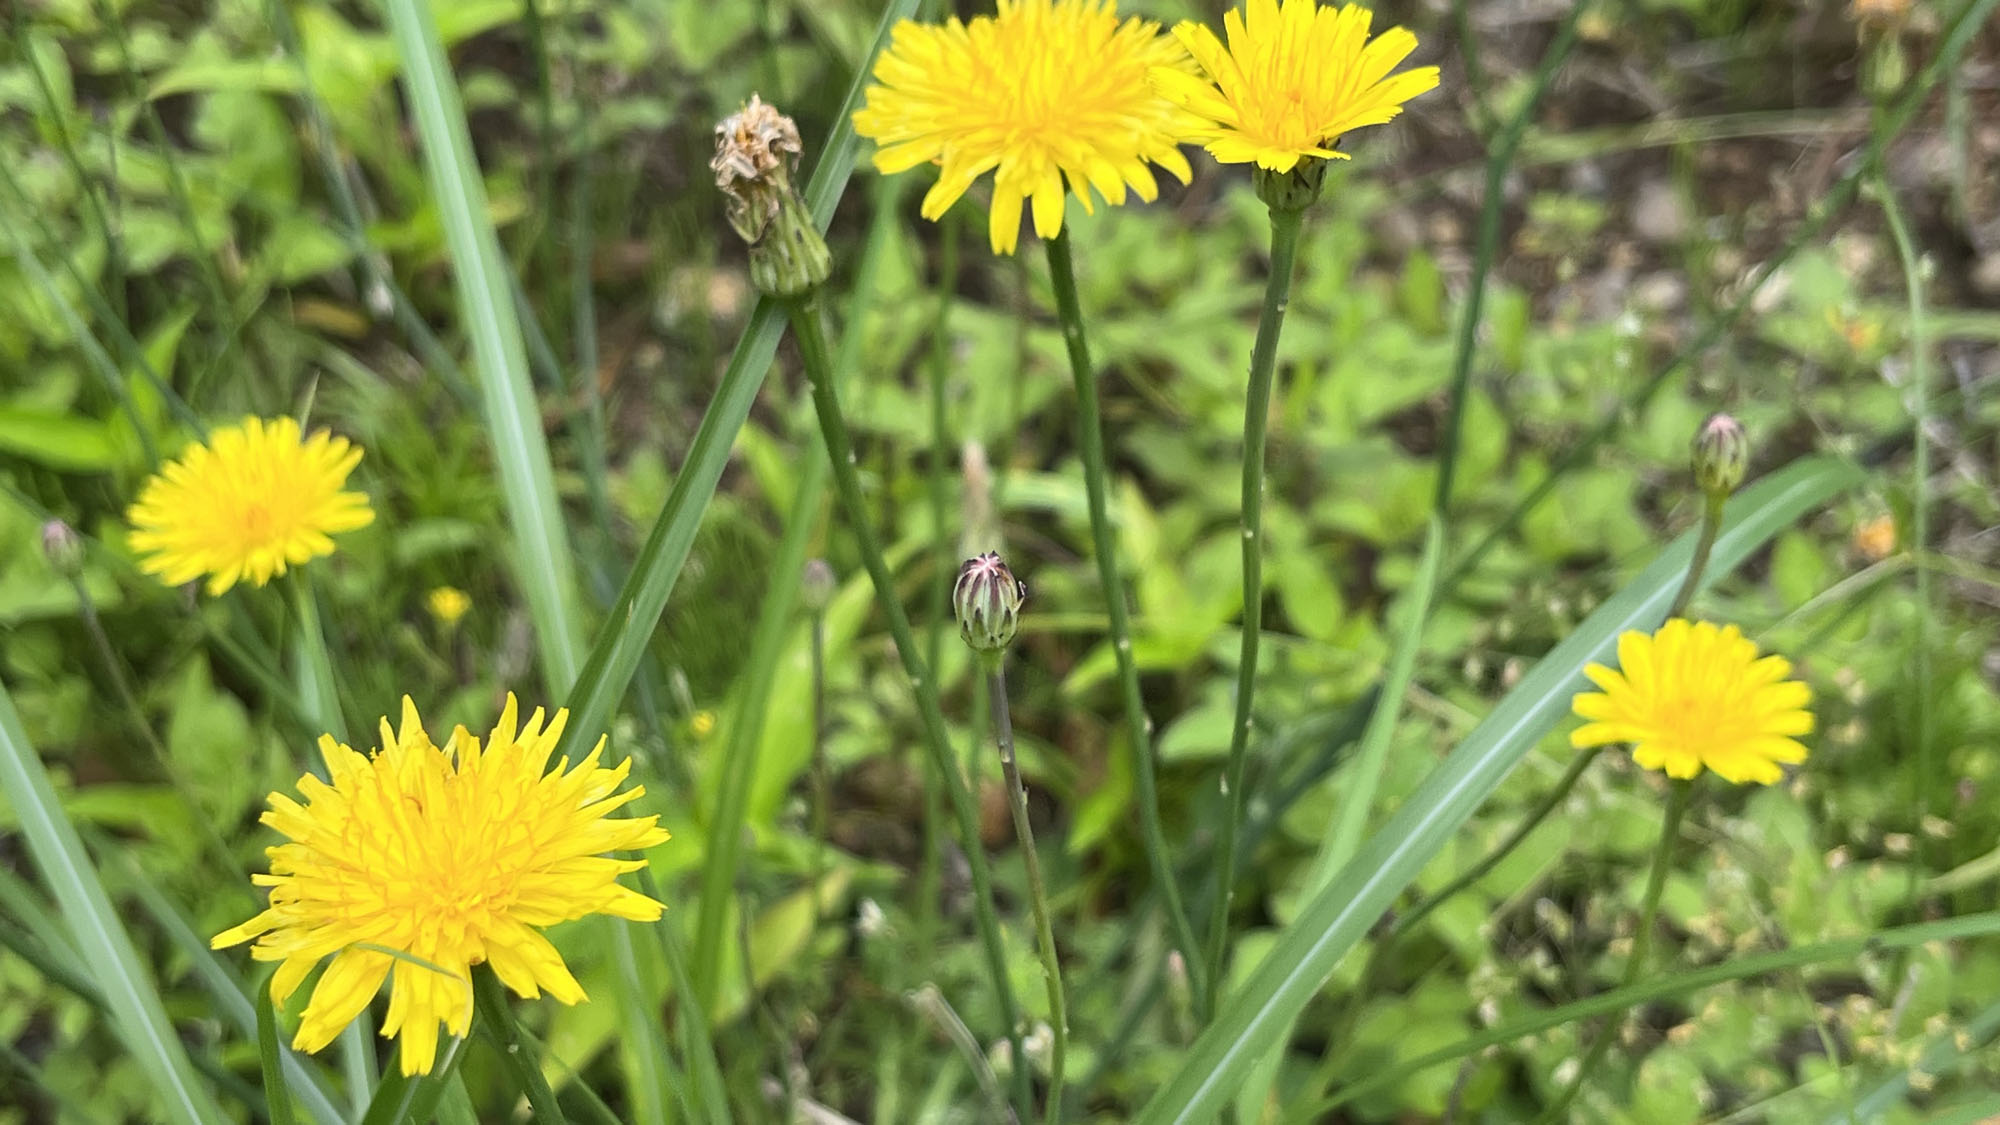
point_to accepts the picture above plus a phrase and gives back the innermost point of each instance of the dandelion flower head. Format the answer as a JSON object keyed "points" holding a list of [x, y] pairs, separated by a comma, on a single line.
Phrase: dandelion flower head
{"points": [[1693, 695], [449, 856], [448, 604], [1291, 80], [1047, 95], [255, 499]]}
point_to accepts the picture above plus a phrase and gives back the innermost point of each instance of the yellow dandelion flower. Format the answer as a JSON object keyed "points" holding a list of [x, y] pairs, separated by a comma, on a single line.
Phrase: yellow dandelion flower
{"points": [[1046, 95], [1291, 81], [256, 499], [447, 604], [1694, 695], [451, 856]]}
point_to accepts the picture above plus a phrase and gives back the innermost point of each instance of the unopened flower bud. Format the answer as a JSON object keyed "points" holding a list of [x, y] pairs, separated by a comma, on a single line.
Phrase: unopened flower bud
{"points": [[756, 150], [987, 601], [816, 585], [62, 548], [1721, 455]]}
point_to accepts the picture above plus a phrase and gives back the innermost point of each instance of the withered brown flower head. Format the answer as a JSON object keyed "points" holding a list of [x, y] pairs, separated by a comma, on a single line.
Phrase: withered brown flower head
{"points": [[756, 149]]}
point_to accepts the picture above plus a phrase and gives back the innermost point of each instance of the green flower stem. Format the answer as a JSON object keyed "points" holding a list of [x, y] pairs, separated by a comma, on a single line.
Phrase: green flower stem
{"points": [[1680, 797], [1285, 226], [804, 314], [1711, 525], [1038, 896], [942, 555], [822, 797], [1090, 434], [494, 1011], [1920, 503]]}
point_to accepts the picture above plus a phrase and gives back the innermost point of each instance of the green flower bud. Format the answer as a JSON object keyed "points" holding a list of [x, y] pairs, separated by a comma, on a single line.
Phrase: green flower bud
{"points": [[62, 548], [987, 601], [816, 585], [1721, 455], [1295, 190], [756, 150]]}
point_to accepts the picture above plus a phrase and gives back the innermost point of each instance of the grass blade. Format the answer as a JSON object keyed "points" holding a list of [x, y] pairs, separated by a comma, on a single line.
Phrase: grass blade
{"points": [[615, 655], [1253, 1020], [486, 307], [104, 946], [235, 1003], [277, 1099]]}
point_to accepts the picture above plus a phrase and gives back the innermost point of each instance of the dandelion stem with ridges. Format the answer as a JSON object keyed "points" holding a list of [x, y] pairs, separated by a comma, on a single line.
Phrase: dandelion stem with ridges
{"points": [[811, 340], [1285, 224], [525, 1068], [1038, 895], [1104, 544]]}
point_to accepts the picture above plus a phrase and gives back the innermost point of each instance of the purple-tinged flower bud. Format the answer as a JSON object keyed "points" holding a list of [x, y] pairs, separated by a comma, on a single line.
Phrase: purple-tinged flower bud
{"points": [[816, 585], [1721, 455], [63, 549], [987, 601]]}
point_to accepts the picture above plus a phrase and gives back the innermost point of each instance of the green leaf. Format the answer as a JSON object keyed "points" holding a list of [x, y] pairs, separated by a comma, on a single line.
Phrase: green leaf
{"points": [[59, 441], [1253, 1021], [138, 1015]]}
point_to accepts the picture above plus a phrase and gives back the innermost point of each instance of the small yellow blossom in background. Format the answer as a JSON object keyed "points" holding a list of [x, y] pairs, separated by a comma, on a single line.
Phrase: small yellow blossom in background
{"points": [[1875, 538], [1047, 95], [1695, 695], [447, 604], [1291, 81], [451, 856], [702, 723], [256, 499]]}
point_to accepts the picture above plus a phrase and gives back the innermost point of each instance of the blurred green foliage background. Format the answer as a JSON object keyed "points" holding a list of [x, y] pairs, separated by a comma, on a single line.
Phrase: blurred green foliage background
{"points": [[227, 197]]}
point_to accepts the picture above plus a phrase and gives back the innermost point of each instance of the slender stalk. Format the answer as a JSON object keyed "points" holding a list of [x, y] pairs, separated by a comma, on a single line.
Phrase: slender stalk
{"points": [[929, 1001], [940, 482], [1285, 224], [1920, 497], [1680, 796], [811, 340], [1380, 957], [114, 668], [1499, 158], [520, 1061], [1578, 766], [1038, 895], [1711, 526], [121, 685], [821, 785], [114, 247], [1139, 728]]}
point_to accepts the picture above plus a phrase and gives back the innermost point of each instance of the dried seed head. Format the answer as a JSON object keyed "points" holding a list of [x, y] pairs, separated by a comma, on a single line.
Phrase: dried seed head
{"points": [[987, 601], [1721, 455], [756, 149]]}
